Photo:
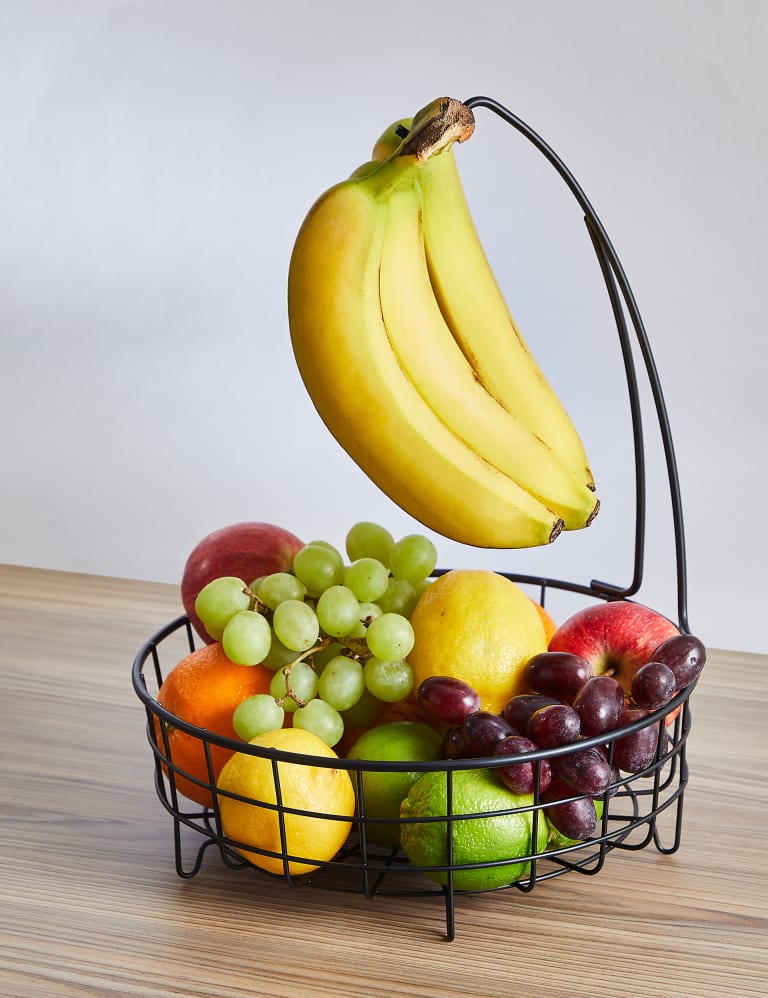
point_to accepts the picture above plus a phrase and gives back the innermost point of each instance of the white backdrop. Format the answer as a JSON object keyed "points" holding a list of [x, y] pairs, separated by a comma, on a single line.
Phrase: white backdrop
{"points": [[157, 158]]}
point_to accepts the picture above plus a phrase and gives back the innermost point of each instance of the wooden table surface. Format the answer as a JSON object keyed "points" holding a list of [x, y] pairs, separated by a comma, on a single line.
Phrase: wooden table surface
{"points": [[90, 903]]}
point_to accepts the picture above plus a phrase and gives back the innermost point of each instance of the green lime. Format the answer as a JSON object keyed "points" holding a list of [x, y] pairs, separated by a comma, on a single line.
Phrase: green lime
{"points": [[487, 838], [393, 741]]}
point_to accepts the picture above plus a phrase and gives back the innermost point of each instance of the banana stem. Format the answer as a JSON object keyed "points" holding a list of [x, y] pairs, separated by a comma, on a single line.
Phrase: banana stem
{"points": [[437, 126]]}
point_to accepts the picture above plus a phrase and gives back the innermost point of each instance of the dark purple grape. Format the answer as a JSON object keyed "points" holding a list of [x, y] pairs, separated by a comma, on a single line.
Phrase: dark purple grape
{"points": [[599, 704], [653, 685], [587, 771], [575, 819], [454, 746], [521, 777], [615, 774], [684, 654], [519, 709], [555, 724], [557, 674], [447, 700], [635, 752], [482, 731]]}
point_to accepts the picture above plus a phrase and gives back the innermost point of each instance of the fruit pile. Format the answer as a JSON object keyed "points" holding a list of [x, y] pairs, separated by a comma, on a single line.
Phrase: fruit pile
{"points": [[375, 655]]}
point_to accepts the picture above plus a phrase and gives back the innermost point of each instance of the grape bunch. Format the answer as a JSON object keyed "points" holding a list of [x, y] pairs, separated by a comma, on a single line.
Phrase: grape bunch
{"points": [[568, 704], [335, 631]]}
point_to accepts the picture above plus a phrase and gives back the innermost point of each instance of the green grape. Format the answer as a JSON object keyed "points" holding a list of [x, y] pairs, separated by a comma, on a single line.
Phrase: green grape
{"points": [[364, 712], [321, 719], [400, 597], [368, 612], [388, 681], [342, 682], [413, 558], [318, 566], [390, 637], [367, 578], [369, 540], [257, 714], [303, 682], [323, 656], [273, 589], [295, 623], [279, 656], [220, 600], [247, 638], [328, 546], [337, 611]]}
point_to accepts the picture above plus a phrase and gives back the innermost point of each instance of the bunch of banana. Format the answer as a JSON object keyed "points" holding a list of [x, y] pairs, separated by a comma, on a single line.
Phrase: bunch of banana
{"points": [[408, 351]]}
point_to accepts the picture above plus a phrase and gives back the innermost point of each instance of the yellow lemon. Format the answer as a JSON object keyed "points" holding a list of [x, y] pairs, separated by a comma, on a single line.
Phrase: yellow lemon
{"points": [[310, 790], [477, 626]]}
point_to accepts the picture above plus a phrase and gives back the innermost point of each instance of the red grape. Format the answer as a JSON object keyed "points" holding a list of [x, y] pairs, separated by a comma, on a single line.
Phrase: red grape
{"points": [[653, 685], [587, 771], [614, 787], [599, 704], [575, 819], [636, 751], [557, 674], [685, 655], [447, 700], [555, 724], [521, 776], [519, 709], [454, 746], [482, 730]]}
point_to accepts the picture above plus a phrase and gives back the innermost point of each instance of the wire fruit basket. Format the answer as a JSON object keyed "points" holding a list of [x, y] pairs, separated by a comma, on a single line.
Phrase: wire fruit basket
{"points": [[639, 809]]}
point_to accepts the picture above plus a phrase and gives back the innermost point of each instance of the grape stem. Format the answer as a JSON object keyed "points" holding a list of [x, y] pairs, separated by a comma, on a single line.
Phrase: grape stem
{"points": [[356, 647], [322, 643], [258, 605]]}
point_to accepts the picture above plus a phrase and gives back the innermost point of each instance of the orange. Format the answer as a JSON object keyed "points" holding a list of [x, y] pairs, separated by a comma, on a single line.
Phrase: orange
{"points": [[549, 624], [203, 689], [306, 791], [478, 626]]}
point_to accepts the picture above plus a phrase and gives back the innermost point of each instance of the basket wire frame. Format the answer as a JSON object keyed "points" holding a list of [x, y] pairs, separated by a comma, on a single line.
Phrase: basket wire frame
{"points": [[639, 809]]}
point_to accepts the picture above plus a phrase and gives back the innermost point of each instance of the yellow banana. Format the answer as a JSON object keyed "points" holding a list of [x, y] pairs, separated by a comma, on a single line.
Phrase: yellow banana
{"points": [[362, 391], [475, 309], [435, 364]]}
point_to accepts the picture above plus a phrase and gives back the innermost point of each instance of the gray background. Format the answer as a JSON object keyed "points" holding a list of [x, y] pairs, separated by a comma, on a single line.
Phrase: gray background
{"points": [[157, 159]]}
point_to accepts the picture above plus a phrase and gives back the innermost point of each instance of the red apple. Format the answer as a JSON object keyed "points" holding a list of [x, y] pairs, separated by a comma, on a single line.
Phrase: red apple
{"points": [[245, 550], [616, 638]]}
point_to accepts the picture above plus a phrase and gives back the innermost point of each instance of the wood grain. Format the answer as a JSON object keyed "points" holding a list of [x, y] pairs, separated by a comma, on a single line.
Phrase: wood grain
{"points": [[91, 904]]}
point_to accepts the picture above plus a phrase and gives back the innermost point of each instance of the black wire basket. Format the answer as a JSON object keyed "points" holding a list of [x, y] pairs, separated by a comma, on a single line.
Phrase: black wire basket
{"points": [[638, 809]]}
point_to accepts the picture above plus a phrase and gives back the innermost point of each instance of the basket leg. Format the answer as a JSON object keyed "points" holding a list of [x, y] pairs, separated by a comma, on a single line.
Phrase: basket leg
{"points": [[186, 873], [450, 910]]}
